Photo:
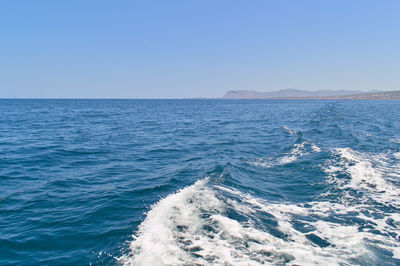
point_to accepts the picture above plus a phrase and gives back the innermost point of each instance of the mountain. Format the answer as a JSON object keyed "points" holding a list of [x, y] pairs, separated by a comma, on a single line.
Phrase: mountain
{"points": [[321, 94]]}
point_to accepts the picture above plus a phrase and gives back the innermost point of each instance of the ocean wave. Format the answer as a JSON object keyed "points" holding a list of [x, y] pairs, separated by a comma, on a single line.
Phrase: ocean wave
{"points": [[395, 140], [296, 151], [208, 224], [372, 174], [290, 131]]}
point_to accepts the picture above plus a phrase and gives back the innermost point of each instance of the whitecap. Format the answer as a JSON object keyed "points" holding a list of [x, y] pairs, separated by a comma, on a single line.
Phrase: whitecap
{"points": [[396, 140], [297, 151], [369, 173], [192, 227], [291, 132], [199, 224]]}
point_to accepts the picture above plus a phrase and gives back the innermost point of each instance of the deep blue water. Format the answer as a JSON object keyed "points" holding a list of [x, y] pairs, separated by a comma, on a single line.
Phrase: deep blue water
{"points": [[240, 182]]}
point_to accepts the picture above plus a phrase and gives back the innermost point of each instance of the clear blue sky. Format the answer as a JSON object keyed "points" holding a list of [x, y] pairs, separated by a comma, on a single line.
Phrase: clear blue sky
{"points": [[190, 48]]}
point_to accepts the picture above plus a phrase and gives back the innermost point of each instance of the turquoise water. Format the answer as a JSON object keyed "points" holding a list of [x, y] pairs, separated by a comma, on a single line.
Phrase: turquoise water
{"points": [[199, 182]]}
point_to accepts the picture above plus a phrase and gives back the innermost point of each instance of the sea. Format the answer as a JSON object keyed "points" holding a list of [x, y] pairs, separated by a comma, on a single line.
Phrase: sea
{"points": [[199, 182]]}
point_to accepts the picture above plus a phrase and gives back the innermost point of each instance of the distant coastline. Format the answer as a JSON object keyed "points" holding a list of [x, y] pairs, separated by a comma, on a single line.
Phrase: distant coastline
{"points": [[316, 95]]}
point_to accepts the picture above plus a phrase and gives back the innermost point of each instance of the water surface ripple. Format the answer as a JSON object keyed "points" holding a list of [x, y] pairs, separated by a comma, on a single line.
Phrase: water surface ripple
{"points": [[199, 182]]}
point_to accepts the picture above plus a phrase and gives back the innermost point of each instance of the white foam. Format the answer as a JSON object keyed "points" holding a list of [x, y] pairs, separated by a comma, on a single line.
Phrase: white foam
{"points": [[368, 173], [298, 150], [193, 226], [396, 253], [397, 140], [373, 176], [315, 148], [292, 132]]}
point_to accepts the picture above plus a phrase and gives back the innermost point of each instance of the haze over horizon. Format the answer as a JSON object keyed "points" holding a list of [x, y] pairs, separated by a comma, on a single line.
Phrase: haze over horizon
{"points": [[180, 49]]}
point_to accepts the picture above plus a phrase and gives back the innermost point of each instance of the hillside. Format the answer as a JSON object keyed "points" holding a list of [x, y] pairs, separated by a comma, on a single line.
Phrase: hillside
{"points": [[321, 94]]}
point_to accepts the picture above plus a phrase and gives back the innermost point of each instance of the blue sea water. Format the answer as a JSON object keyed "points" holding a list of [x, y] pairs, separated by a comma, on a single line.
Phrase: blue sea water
{"points": [[199, 182]]}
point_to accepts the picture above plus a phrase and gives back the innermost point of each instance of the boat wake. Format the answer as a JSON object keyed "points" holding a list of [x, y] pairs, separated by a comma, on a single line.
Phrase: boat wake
{"points": [[295, 152], [209, 223]]}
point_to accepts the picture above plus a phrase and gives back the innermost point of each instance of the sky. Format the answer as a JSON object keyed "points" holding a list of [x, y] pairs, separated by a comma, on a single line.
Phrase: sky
{"points": [[195, 48]]}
